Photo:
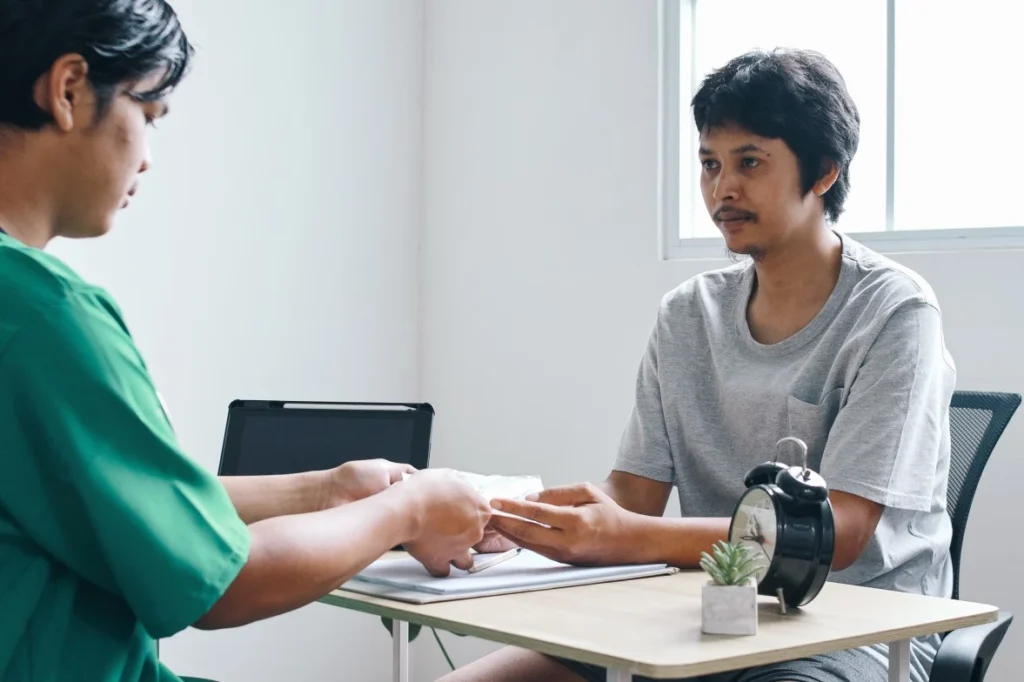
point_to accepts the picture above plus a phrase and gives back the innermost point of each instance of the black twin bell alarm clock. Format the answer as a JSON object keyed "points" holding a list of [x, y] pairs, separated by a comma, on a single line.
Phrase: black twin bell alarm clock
{"points": [[785, 517]]}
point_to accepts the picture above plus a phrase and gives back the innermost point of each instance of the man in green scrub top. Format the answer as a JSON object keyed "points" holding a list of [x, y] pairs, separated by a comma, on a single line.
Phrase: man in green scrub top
{"points": [[110, 536]]}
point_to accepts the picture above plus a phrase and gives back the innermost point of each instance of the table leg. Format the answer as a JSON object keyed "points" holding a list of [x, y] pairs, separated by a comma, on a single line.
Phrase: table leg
{"points": [[400, 650], [899, 661], [619, 676]]}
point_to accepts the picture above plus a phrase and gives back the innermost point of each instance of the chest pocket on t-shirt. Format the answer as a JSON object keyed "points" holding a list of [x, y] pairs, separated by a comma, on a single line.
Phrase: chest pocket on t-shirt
{"points": [[811, 423]]}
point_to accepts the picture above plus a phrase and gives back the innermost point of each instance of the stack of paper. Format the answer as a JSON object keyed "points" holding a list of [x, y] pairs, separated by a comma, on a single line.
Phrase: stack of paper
{"points": [[405, 579]]}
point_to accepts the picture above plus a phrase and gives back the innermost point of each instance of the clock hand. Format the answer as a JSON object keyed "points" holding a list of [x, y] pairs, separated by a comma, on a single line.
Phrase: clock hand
{"points": [[759, 539], [754, 534], [760, 543]]}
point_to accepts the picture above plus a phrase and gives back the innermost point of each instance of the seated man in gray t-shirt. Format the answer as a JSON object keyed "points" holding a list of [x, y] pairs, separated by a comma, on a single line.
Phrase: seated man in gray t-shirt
{"points": [[814, 336]]}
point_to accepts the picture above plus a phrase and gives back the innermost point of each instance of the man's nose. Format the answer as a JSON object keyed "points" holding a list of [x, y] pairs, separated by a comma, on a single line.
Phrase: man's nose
{"points": [[726, 187]]}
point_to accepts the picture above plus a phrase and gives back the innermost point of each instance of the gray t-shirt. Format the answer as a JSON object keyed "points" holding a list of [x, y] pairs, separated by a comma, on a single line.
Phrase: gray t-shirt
{"points": [[866, 384]]}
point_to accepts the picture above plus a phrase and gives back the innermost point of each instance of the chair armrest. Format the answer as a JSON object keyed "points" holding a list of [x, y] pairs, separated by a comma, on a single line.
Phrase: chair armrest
{"points": [[965, 654]]}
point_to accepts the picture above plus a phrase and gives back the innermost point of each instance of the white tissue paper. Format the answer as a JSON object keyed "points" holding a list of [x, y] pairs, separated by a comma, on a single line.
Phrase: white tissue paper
{"points": [[492, 486], [506, 487]]}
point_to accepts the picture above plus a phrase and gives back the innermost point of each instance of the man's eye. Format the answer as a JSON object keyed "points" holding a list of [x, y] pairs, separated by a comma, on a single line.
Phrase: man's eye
{"points": [[709, 164], [750, 162]]}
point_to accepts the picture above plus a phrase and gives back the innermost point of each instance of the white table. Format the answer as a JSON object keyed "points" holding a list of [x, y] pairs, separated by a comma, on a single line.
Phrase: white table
{"points": [[651, 626]]}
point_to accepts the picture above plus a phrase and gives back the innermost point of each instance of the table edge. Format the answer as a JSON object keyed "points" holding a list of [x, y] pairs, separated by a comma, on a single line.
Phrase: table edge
{"points": [[395, 610]]}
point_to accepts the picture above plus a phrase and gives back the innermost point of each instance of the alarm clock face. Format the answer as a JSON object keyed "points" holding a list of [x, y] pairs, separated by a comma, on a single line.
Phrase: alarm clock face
{"points": [[754, 525]]}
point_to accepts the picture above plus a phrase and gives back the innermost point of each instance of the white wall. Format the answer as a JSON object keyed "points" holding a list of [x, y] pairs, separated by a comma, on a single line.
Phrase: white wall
{"points": [[538, 275], [272, 252], [539, 270]]}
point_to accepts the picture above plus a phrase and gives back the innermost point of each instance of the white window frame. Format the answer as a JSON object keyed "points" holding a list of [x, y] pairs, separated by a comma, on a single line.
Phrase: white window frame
{"points": [[674, 247]]}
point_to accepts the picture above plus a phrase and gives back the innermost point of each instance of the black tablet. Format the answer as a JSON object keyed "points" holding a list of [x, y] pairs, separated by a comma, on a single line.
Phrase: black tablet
{"points": [[277, 437]]}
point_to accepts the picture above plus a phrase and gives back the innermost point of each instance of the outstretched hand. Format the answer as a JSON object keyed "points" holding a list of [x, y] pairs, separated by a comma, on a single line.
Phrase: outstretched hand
{"points": [[577, 524]]}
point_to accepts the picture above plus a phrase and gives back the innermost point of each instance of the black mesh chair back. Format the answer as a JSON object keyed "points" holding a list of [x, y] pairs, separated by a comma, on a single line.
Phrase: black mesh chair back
{"points": [[976, 422]]}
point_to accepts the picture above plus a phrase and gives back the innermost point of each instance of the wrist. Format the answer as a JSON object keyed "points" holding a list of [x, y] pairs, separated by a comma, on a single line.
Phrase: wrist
{"points": [[646, 539], [679, 541], [408, 509], [326, 483]]}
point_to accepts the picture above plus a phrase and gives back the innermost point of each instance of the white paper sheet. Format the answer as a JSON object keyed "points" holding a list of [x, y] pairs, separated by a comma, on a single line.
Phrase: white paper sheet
{"points": [[527, 571]]}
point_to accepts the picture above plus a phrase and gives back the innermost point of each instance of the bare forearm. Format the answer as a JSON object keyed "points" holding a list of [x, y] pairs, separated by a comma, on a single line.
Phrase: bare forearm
{"points": [[677, 542], [263, 497], [636, 493], [295, 560]]}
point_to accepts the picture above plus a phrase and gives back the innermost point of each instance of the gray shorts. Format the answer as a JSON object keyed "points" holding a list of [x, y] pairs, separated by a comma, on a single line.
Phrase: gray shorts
{"points": [[838, 666]]}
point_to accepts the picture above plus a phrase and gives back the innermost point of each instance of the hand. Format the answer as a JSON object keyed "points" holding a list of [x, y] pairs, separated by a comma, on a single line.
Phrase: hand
{"points": [[359, 479], [453, 517], [493, 542], [585, 525]]}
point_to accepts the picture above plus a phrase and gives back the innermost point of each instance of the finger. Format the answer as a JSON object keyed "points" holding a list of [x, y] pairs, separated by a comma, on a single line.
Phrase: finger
{"points": [[550, 551], [463, 561], [565, 496], [526, 532], [398, 472], [438, 569], [556, 517], [494, 542]]}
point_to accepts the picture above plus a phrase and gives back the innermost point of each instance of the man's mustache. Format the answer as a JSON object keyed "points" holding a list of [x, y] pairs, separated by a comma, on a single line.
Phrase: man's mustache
{"points": [[727, 213]]}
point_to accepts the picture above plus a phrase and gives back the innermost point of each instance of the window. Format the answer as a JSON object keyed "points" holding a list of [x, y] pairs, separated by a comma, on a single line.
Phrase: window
{"points": [[939, 160]]}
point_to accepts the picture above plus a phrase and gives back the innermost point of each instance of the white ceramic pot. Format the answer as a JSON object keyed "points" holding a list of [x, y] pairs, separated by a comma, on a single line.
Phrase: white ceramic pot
{"points": [[729, 609]]}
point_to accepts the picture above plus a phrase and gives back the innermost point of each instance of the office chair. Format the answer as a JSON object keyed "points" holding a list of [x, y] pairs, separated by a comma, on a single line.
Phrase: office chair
{"points": [[976, 422]]}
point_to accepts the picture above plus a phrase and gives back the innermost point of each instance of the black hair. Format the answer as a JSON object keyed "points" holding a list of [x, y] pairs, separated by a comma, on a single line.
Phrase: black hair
{"points": [[797, 96], [121, 40]]}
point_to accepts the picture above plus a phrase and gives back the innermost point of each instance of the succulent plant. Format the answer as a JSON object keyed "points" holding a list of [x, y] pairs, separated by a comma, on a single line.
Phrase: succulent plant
{"points": [[730, 564]]}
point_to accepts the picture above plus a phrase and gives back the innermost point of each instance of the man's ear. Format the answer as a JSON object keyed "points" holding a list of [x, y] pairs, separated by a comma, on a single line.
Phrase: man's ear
{"points": [[827, 178], [64, 91]]}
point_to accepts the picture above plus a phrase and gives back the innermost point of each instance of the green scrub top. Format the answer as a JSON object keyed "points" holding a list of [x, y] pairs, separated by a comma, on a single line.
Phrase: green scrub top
{"points": [[110, 536]]}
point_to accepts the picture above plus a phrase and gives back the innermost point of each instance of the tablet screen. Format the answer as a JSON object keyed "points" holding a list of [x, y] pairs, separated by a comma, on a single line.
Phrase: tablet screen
{"points": [[278, 438]]}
